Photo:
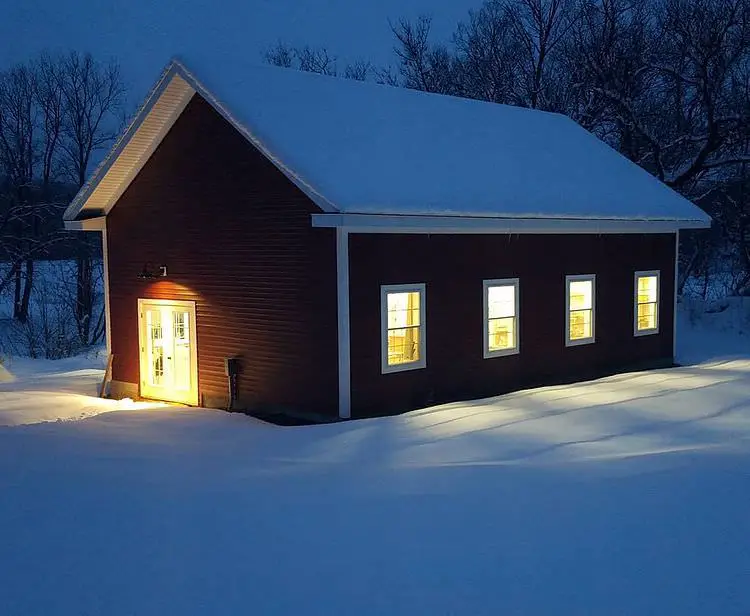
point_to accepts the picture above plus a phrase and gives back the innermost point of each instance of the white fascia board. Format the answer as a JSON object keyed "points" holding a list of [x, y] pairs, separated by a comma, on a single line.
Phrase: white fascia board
{"points": [[88, 224], [79, 201], [375, 223], [146, 155]]}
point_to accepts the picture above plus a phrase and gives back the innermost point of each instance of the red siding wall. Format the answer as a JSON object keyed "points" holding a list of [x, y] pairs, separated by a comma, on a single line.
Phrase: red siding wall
{"points": [[453, 268], [236, 237]]}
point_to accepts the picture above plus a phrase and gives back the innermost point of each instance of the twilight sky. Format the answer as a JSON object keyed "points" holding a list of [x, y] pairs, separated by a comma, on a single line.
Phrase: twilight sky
{"points": [[144, 34]]}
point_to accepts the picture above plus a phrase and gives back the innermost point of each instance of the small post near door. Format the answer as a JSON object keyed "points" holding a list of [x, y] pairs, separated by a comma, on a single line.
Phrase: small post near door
{"points": [[168, 350]]}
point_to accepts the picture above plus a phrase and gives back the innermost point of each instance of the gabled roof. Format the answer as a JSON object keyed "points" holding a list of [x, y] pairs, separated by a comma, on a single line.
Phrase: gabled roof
{"points": [[365, 149]]}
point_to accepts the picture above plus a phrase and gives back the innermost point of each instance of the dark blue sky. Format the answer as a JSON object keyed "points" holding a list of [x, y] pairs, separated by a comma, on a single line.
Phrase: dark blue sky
{"points": [[143, 35]]}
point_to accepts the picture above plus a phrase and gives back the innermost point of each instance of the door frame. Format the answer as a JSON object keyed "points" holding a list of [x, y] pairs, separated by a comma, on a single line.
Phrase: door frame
{"points": [[193, 395]]}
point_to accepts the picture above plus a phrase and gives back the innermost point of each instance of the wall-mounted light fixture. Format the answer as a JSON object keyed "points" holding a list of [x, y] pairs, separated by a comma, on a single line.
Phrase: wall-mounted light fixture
{"points": [[149, 271]]}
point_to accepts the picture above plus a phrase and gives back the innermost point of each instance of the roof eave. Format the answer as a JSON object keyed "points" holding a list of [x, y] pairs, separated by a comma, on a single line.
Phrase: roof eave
{"points": [[377, 223], [87, 224]]}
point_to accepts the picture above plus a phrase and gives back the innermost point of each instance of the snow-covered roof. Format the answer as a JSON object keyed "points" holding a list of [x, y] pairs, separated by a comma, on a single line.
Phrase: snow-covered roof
{"points": [[364, 148]]}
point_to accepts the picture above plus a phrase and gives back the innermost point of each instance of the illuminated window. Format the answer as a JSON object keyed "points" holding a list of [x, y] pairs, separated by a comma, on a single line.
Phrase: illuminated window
{"points": [[500, 317], [646, 303], [580, 302], [403, 327]]}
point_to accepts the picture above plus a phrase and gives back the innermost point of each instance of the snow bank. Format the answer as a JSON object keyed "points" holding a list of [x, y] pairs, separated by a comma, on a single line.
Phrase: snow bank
{"points": [[710, 330], [35, 390], [623, 496]]}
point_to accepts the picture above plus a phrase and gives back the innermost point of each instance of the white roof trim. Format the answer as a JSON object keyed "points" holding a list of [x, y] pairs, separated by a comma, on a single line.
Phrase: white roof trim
{"points": [[372, 223], [87, 224], [82, 199]]}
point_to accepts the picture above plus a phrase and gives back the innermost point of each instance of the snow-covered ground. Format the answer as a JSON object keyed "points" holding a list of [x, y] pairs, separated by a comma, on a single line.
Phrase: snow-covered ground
{"points": [[627, 495], [33, 391]]}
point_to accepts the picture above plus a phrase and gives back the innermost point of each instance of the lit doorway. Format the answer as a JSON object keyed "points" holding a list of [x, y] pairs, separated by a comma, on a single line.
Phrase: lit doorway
{"points": [[169, 366]]}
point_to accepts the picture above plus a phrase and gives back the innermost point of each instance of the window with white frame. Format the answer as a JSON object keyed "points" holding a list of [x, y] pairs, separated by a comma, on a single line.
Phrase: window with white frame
{"points": [[403, 327], [580, 309], [646, 311], [500, 317]]}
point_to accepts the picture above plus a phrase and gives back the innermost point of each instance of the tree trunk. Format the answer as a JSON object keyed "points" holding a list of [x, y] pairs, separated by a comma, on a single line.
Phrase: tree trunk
{"points": [[17, 294], [84, 294], [99, 329], [23, 313]]}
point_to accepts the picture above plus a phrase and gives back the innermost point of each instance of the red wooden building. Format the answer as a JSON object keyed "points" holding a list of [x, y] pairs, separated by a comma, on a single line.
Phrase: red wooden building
{"points": [[358, 249]]}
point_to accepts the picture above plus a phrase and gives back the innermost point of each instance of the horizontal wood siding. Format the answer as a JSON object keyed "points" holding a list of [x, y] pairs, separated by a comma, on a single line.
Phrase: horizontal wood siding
{"points": [[453, 268], [236, 237]]}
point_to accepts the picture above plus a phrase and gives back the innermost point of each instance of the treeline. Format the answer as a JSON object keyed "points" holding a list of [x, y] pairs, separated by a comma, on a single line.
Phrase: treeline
{"points": [[665, 82], [56, 113]]}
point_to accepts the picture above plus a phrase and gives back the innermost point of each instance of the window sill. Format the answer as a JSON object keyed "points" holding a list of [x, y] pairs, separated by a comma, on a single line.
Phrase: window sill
{"points": [[417, 365], [581, 342], [501, 353]]}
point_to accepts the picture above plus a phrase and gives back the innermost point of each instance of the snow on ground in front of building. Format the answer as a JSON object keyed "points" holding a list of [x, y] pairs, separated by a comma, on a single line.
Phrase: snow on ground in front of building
{"points": [[34, 390], [627, 495]]}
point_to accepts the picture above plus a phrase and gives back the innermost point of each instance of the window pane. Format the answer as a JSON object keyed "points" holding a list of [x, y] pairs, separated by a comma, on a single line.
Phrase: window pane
{"points": [[501, 301], [581, 295], [180, 320], [647, 316], [502, 334], [403, 345], [580, 324], [647, 289], [403, 309], [153, 323]]}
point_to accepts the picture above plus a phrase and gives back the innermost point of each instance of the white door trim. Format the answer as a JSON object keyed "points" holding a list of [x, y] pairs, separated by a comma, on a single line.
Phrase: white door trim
{"points": [[192, 396]]}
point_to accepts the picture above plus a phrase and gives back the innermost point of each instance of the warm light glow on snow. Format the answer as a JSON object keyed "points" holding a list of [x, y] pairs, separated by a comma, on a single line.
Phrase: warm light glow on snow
{"points": [[128, 404]]}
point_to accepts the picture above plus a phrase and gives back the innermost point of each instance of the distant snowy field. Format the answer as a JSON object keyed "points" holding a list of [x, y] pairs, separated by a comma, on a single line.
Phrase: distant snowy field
{"points": [[628, 495]]}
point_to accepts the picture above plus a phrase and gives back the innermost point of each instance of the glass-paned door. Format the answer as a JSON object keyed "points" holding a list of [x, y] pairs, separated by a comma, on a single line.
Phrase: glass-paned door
{"points": [[168, 351]]}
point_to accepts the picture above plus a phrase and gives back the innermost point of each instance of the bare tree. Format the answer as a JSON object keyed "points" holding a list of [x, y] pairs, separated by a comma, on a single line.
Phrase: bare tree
{"points": [[669, 76], [672, 82], [18, 134], [359, 71], [280, 54], [93, 95], [423, 65], [314, 60], [49, 98], [540, 27], [486, 48]]}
